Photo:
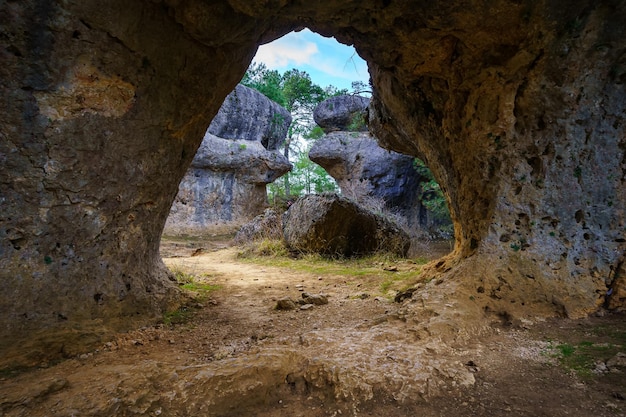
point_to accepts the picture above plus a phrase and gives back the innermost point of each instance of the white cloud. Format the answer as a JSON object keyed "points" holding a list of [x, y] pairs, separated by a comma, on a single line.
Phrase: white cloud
{"points": [[286, 51], [327, 61]]}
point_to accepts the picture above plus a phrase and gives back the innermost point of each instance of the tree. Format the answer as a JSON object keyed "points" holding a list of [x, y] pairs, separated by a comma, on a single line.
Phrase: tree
{"points": [[296, 92], [432, 196], [267, 82]]}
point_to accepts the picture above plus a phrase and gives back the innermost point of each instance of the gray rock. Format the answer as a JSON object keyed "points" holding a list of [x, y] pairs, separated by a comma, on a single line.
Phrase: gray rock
{"points": [[285, 304], [236, 159], [316, 299], [355, 161], [266, 225], [617, 362], [339, 112], [225, 184], [249, 115], [333, 225]]}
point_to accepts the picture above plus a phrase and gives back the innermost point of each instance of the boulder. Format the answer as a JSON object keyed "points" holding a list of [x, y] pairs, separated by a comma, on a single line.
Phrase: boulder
{"points": [[346, 112], [266, 225], [332, 225], [355, 161], [225, 183], [249, 115]]}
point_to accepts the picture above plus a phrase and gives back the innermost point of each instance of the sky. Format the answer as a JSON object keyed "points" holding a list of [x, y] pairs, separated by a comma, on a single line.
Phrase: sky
{"points": [[327, 61]]}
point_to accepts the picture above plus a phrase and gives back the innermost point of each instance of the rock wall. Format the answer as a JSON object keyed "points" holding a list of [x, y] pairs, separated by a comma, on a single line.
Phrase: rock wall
{"points": [[517, 107], [225, 184]]}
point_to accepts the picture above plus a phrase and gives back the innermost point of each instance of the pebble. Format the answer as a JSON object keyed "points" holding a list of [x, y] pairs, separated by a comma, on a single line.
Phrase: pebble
{"points": [[306, 307], [317, 299]]}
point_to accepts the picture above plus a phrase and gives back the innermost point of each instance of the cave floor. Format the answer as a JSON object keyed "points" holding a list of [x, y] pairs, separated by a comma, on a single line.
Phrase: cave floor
{"points": [[234, 354]]}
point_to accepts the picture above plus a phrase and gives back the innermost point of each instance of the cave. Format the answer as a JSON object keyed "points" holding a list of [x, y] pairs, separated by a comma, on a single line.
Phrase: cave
{"points": [[517, 106]]}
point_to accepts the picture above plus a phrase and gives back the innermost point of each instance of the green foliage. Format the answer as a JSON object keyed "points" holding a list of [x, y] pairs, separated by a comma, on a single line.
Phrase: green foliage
{"points": [[296, 92], [182, 315], [308, 177], [357, 123], [190, 282], [315, 133], [268, 82], [581, 356], [432, 195]]}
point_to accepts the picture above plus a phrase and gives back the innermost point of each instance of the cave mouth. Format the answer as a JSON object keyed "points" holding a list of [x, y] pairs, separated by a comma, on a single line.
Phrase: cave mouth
{"points": [[298, 71]]}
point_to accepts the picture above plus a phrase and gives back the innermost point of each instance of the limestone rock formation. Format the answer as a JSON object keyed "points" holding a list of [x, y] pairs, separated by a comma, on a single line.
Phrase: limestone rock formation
{"points": [[225, 184], [359, 165], [333, 225], [249, 115], [340, 112], [266, 225], [516, 106]]}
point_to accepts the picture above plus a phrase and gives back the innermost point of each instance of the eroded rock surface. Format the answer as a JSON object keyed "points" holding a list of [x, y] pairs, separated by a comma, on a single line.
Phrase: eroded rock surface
{"points": [[361, 166], [517, 107], [225, 184], [346, 112], [333, 225], [248, 115]]}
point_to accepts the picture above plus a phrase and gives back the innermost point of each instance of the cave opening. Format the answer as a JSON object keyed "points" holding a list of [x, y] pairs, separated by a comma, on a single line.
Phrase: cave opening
{"points": [[296, 73]]}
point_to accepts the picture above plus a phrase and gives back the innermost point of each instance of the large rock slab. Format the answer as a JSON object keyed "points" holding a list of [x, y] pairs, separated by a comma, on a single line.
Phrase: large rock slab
{"points": [[345, 112], [335, 226]]}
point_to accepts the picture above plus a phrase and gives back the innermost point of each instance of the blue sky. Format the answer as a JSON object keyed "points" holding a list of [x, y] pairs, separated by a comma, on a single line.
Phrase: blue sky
{"points": [[327, 61]]}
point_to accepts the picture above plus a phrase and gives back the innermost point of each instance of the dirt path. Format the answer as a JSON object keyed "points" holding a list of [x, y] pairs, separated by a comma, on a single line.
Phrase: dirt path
{"points": [[236, 355]]}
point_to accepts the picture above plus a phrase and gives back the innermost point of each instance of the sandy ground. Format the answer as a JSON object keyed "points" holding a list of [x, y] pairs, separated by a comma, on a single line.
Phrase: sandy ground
{"points": [[234, 354]]}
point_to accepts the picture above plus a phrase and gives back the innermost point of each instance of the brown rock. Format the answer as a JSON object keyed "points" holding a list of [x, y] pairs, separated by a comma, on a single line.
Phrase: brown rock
{"points": [[335, 226], [285, 304]]}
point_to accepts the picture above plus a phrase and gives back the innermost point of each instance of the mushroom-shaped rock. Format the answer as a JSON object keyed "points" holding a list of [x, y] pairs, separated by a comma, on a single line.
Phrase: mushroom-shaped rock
{"points": [[356, 158], [225, 184], [249, 115], [333, 225], [344, 112]]}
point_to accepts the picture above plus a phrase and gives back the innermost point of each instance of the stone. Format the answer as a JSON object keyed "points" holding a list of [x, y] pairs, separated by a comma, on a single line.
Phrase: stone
{"points": [[225, 184], [517, 108], [247, 114], [264, 226], [335, 226], [315, 299], [345, 112], [285, 304], [404, 295], [306, 306], [363, 169], [617, 362]]}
